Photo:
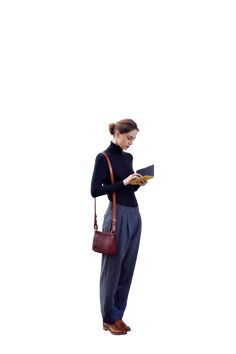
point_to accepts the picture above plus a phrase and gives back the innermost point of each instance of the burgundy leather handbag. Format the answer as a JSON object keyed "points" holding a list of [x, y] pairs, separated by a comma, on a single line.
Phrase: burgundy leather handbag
{"points": [[106, 242]]}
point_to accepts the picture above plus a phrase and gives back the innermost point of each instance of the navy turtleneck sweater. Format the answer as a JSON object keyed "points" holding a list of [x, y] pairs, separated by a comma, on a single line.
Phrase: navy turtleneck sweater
{"points": [[122, 167]]}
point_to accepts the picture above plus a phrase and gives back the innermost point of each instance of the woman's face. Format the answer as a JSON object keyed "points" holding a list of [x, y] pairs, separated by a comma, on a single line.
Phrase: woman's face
{"points": [[126, 139]]}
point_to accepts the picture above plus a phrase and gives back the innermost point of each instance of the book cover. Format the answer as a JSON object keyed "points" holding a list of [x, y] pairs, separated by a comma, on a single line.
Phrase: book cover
{"points": [[147, 173]]}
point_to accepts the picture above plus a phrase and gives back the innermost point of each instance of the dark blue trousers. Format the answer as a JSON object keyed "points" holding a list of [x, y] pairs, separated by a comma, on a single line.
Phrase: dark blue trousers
{"points": [[117, 271]]}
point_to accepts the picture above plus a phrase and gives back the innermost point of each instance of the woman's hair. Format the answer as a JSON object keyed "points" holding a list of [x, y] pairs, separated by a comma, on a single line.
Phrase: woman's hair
{"points": [[123, 126]]}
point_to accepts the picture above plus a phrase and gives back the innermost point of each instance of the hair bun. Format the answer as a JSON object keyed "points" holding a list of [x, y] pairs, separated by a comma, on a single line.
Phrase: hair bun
{"points": [[112, 128]]}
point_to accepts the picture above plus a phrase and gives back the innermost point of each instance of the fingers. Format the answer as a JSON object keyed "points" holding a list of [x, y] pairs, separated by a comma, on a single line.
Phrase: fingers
{"points": [[142, 183], [135, 175]]}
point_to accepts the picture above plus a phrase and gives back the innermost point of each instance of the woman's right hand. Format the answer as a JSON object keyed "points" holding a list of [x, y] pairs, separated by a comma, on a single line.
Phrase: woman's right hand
{"points": [[130, 177]]}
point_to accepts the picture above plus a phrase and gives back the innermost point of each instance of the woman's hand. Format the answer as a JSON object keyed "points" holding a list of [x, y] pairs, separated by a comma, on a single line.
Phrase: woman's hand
{"points": [[142, 183], [130, 177]]}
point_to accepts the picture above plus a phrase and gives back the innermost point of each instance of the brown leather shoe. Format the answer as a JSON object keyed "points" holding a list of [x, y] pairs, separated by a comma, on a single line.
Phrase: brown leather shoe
{"points": [[122, 325], [113, 329]]}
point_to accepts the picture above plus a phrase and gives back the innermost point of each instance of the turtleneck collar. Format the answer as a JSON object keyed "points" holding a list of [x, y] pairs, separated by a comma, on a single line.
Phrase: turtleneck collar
{"points": [[114, 148]]}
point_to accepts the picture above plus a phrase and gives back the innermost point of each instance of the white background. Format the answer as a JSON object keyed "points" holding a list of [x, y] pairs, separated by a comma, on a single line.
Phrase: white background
{"points": [[68, 69]]}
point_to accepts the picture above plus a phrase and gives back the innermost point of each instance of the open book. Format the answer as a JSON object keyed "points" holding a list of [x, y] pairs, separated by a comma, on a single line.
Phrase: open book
{"points": [[147, 173]]}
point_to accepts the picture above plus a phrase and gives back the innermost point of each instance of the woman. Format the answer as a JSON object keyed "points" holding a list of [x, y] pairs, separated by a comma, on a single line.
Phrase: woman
{"points": [[117, 271]]}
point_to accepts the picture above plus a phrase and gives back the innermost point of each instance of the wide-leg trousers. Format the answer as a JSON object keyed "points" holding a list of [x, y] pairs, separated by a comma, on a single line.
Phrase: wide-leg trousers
{"points": [[117, 271]]}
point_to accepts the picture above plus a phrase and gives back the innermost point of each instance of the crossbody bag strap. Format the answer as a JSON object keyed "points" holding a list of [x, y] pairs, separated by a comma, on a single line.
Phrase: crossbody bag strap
{"points": [[113, 229]]}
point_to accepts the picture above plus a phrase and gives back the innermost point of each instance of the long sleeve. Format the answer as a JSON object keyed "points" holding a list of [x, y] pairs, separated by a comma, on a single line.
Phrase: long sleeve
{"points": [[101, 182], [135, 187], [122, 166]]}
